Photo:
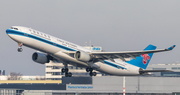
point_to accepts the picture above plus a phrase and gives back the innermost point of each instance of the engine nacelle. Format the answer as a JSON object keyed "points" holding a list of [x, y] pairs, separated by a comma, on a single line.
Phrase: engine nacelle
{"points": [[82, 56], [40, 58]]}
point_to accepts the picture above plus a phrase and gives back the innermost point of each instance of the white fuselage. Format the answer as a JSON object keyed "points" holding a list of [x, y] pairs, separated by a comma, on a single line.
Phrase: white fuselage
{"points": [[57, 48]]}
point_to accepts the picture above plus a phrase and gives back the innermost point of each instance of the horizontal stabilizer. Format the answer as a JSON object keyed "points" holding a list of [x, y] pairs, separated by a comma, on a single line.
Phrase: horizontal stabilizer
{"points": [[141, 71], [145, 71]]}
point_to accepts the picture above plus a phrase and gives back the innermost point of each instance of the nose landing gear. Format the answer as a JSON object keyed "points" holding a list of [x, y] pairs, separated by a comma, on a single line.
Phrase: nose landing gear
{"points": [[20, 47]]}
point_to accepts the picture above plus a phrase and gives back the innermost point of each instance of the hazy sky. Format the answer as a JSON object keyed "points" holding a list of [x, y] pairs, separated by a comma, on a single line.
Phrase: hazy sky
{"points": [[116, 25]]}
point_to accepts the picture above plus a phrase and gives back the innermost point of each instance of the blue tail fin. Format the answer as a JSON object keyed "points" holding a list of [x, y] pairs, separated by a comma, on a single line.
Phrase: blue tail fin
{"points": [[143, 60]]}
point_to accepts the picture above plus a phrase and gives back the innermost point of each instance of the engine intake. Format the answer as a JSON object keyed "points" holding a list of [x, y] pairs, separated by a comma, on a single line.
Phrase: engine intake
{"points": [[82, 56], [40, 58]]}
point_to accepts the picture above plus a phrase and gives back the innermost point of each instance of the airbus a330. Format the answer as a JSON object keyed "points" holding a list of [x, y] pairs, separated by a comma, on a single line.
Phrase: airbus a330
{"points": [[53, 48]]}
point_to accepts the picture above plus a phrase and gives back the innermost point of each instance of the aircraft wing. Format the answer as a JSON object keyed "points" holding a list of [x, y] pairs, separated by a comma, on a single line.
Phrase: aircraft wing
{"points": [[125, 54]]}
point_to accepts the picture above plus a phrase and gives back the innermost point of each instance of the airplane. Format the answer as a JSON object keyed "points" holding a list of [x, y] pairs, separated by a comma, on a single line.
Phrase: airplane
{"points": [[55, 49]]}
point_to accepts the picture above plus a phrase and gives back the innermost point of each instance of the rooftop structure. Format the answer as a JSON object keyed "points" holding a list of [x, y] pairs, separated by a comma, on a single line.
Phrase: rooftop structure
{"points": [[2, 72]]}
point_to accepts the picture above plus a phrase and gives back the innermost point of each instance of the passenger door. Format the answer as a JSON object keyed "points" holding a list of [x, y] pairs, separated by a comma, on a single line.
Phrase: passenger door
{"points": [[54, 41], [26, 31]]}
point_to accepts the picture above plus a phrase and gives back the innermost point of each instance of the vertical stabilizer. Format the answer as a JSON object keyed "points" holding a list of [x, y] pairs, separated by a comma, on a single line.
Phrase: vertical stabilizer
{"points": [[143, 60]]}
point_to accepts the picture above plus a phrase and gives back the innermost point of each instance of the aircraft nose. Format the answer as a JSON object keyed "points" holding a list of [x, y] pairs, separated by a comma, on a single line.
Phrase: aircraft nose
{"points": [[8, 31]]}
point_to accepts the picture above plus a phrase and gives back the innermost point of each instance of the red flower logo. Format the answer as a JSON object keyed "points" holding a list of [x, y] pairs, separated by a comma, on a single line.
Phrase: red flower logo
{"points": [[145, 58]]}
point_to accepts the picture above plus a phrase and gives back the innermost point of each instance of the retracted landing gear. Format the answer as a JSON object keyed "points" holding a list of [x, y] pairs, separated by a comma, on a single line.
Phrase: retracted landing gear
{"points": [[20, 47], [66, 71], [90, 70]]}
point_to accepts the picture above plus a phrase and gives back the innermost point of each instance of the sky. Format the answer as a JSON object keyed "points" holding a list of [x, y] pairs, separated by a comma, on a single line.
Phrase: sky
{"points": [[116, 25]]}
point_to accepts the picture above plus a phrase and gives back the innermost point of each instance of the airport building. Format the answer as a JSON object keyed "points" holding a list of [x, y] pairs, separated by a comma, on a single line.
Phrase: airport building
{"points": [[158, 84], [3, 77], [104, 85], [53, 70], [175, 67]]}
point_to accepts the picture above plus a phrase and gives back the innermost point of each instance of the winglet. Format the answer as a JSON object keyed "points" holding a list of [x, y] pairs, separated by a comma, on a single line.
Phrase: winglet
{"points": [[172, 47]]}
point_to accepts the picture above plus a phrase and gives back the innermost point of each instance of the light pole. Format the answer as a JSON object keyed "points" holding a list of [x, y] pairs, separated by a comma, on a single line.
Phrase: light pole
{"points": [[124, 85]]}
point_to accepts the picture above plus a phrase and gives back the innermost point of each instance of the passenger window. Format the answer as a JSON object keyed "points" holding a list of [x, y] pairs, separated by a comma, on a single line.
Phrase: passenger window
{"points": [[44, 35], [37, 32]]}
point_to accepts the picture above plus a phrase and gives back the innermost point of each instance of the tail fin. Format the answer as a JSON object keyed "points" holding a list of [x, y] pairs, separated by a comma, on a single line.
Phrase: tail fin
{"points": [[143, 60]]}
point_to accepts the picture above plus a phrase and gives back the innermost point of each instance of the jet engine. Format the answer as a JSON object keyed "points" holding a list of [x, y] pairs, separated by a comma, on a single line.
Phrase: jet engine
{"points": [[40, 58], [82, 56]]}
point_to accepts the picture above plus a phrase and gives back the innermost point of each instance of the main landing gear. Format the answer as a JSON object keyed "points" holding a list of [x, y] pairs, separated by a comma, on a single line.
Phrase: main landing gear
{"points": [[20, 47], [67, 74], [66, 71], [90, 70]]}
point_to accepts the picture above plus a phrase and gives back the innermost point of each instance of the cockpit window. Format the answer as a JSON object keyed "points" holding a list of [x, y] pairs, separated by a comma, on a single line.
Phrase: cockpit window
{"points": [[14, 28]]}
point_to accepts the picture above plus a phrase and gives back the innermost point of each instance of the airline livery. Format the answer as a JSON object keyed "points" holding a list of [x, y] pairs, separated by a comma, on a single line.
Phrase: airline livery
{"points": [[55, 49]]}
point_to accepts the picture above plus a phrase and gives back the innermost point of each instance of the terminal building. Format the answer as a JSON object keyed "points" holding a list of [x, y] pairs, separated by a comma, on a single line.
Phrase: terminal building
{"points": [[154, 84], [175, 67], [53, 70], [104, 85]]}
